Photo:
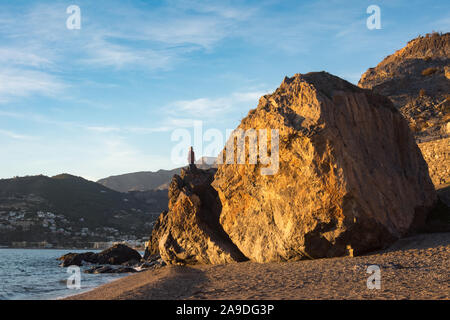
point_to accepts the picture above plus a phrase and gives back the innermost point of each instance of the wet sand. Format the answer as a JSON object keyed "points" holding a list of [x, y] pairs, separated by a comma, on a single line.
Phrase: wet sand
{"points": [[413, 268]]}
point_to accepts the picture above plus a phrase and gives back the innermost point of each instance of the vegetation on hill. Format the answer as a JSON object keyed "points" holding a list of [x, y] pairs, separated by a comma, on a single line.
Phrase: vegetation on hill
{"points": [[38, 208], [417, 80]]}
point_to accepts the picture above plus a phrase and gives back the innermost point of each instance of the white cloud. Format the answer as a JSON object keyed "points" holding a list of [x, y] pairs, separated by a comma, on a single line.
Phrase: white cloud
{"points": [[211, 107], [165, 125], [16, 136], [441, 25], [155, 40], [20, 56], [104, 54], [238, 11], [93, 158], [22, 83], [100, 129], [201, 32], [248, 96]]}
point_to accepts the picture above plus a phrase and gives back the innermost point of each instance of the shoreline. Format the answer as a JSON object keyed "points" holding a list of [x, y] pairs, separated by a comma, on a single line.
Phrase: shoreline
{"points": [[87, 290], [412, 268]]}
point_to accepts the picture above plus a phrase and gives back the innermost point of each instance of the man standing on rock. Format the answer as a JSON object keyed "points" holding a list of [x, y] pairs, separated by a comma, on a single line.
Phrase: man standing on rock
{"points": [[191, 158]]}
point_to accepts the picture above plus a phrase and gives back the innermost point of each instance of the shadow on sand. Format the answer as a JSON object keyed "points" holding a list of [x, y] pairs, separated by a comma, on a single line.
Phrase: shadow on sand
{"points": [[181, 282]]}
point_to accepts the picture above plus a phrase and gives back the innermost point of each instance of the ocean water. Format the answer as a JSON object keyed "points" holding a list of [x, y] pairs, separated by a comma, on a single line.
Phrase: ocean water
{"points": [[34, 274]]}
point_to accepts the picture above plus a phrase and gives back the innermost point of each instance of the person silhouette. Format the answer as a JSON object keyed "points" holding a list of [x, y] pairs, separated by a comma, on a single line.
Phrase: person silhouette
{"points": [[191, 158]]}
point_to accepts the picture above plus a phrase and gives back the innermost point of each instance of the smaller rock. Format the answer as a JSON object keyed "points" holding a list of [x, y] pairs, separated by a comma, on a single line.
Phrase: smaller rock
{"points": [[100, 269], [116, 255], [124, 270], [130, 263], [76, 259], [157, 263], [109, 269]]}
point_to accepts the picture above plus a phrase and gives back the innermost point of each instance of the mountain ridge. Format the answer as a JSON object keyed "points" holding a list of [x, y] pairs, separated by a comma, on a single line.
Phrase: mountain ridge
{"points": [[417, 80], [149, 180], [66, 208]]}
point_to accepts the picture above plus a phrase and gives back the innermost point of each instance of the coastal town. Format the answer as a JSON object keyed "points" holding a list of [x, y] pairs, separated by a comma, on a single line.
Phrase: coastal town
{"points": [[66, 211], [53, 230]]}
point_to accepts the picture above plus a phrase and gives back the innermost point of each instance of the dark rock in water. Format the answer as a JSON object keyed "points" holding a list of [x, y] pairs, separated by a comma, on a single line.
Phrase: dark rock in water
{"points": [[125, 270], [116, 255], [109, 269], [100, 269], [76, 259], [153, 264], [130, 263]]}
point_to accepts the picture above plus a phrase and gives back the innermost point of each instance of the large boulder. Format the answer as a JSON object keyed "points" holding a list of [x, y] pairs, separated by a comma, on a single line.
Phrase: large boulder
{"points": [[350, 177], [190, 233]]}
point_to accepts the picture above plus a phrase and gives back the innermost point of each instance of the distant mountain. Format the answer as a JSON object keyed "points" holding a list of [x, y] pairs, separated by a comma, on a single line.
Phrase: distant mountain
{"points": [[148, 180], [27, 204], [417, 80], [75, 196], [139, 181]]}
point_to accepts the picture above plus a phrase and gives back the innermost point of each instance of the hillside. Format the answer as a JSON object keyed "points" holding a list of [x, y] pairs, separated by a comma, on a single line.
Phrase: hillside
{"points": [[417, 80], [66, 206]]}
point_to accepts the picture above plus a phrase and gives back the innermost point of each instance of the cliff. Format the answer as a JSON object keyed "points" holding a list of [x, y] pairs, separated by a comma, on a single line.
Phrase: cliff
{"points": [[417, 80]]}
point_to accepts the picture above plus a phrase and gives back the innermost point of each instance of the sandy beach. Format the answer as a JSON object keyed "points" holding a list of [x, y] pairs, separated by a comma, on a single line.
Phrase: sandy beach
{"points": [[413, 268]]}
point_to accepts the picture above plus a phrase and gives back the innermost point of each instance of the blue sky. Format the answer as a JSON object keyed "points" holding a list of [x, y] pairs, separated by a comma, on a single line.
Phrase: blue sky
{"points": [[105, 99]]}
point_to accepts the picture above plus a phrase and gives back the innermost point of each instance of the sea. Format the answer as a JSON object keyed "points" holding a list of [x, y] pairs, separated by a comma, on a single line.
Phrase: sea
{"points": [[35, 274]]}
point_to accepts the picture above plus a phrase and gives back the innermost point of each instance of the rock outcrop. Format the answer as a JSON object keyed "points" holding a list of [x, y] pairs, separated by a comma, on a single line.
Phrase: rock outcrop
{"points": [[117, 254], [190, 232], [351, 178], [416, 79], [152, 249], [437, 154]]}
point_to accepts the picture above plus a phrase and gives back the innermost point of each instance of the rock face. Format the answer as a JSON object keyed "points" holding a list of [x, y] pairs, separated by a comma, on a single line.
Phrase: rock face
{"points": [[437, 154], [152, 249], [190, 232], [416, 79], [351, 176], [117, 254]]}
